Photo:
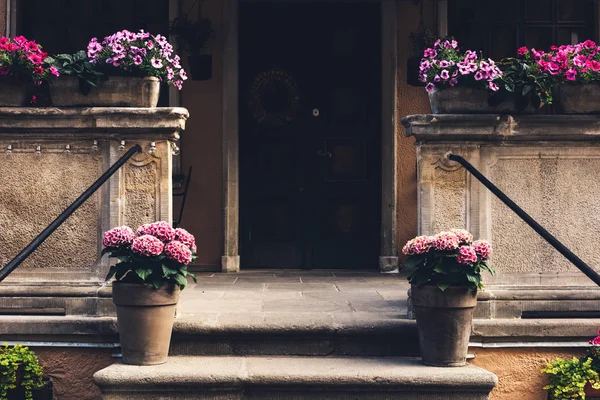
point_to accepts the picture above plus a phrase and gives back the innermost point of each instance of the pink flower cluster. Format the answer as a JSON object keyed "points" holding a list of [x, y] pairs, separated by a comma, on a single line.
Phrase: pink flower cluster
{"points": [[595, 341], [417, 246], [139, 54], [118, 237], [24, 59], [483, 248], [179, 252], [162, 230], [580, 62], [152, 240], [463, 236], [445, 241], [445, 65], [147, 245], [466, 255]]}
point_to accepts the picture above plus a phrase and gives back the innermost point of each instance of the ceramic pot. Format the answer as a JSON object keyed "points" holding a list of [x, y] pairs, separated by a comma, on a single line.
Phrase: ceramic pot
{"points": [[116, 91], [466, 100], [444, 323], [145, 317]]}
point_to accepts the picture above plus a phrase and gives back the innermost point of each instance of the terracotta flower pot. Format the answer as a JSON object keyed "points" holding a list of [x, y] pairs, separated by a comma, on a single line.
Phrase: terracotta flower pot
{"points": [[13, 94], [145, 318], [116, 91], [577, 98], [466, 100], [444, 323]]}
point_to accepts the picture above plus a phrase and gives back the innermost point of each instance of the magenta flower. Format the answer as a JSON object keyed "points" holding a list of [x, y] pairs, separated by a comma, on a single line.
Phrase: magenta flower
{"points": [[147, 245], [430, 87], [483, 248], [179, 252], [571, 75], [479, 76], [156, 63], [466, 255], [445, 75], [137, 60], [493, 87], [54, 71], [118, 237], [522, 51], [149, 44]]}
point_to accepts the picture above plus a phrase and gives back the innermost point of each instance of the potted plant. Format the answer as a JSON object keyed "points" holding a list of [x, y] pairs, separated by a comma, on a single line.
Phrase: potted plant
{"points": [[445, 274], [577, 70], [22, 65], [571, 378], [77, 78], [135, 65], [420, 40], [192, 36], [151, 271], [20, 373], [524, 83]]}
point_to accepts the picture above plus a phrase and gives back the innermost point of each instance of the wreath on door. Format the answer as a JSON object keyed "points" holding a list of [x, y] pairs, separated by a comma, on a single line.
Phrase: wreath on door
{"points": [[274, 98]]}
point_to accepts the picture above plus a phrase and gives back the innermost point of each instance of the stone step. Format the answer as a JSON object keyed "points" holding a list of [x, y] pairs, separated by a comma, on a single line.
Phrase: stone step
{"points": [[294, 378], [303, 334]]}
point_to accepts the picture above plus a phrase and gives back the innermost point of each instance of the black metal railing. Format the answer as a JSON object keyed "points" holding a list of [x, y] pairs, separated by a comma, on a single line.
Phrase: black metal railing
{"points": [[540, 230], [35, 243]]}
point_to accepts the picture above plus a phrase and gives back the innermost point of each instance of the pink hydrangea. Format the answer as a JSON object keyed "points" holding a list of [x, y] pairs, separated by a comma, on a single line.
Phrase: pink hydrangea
{"points": [[445, 241], [483, 248], [417, 246], [466, 255], [147, 245], [118, 237], [162, 230], [186, 238], [595, 341], [463, 235], [177, 251]]}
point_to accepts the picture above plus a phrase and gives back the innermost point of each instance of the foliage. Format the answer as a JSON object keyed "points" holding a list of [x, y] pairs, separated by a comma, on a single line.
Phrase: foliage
{"points": [[23, 60], [77, 65], [445, 65], [447, 259], [522, 77], [568, 378], [193, 35], [156, 254], [10, 360], [128, 53]]}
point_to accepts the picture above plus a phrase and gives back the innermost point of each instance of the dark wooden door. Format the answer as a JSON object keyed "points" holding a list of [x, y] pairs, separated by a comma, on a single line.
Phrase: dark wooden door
{"points": [[310, 135]]}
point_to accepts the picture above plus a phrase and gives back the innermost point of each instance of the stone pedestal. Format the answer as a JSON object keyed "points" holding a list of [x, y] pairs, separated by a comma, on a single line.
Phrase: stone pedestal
{"points": [[549, 165], [48, 157]]}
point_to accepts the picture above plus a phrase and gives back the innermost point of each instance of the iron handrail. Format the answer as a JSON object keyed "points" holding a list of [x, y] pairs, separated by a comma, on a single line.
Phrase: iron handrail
{"points": [[35, 243], [540, 230]]}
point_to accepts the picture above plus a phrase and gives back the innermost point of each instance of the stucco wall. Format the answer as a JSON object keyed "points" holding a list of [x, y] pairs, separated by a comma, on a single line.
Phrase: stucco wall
{"points": [[71, 370], [518, 370]]}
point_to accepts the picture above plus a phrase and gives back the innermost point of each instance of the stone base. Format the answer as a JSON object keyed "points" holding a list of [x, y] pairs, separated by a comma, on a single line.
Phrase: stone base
{"points": [[230, 264], [296, 378], [388, 264]]}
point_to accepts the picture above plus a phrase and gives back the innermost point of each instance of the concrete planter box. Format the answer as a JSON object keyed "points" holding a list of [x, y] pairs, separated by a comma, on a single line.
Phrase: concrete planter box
{"points": [[444, 323], [577, 98], [465, 100], [145, 317], [116, 91], [13, 94]]}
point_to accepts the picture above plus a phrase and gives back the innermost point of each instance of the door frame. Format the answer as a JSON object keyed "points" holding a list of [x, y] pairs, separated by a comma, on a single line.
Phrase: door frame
{"points": [[388, 259]]}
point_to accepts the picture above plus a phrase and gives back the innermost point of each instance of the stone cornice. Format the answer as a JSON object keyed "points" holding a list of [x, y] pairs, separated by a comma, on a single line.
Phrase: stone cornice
{"points": [[96, 122], [502, 128]]}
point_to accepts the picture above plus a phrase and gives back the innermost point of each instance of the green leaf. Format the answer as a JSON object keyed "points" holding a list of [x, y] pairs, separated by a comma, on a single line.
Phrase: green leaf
{"points": [[443, 286], [111, 272], [180, 279], [193, 277], [527, 89], [143, 273], [168, 271], [413, 262]]}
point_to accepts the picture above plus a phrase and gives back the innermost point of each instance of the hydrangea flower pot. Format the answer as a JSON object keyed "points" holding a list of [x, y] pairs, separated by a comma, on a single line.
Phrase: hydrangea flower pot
{"points": [[444, 323], [13, 94], [115, 91], [577, 98], [467, 100], [145, 317]]}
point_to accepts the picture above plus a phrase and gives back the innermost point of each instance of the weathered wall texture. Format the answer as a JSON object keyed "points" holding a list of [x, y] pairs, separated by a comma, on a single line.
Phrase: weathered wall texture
{"points": [[518, 370], [201, 148], [71, 370]]}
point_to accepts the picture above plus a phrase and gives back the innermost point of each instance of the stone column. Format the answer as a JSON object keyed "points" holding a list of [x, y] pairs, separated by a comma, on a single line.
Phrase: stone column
{"points": [[549, 165], [48, 157]]}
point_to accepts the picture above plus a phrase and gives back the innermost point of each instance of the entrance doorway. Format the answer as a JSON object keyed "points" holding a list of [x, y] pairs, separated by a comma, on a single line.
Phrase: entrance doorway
{"points": [[310, 135]]}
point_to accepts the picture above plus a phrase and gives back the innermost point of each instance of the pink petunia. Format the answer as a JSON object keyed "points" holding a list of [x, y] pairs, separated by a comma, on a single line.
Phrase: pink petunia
{"points": [[156, 63]]}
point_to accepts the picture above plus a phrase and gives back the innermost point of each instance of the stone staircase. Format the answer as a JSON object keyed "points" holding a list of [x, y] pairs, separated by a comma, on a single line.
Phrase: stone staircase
{"points": [[294, 356]]}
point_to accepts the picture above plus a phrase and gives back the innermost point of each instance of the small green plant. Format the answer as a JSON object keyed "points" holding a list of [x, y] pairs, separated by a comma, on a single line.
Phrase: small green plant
{"points": [[77, 65], [12, 358], [568, 378]]}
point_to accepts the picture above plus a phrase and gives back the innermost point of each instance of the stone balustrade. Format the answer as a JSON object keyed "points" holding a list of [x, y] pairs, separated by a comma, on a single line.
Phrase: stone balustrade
{"points": [[549, 165], [49, 156]]}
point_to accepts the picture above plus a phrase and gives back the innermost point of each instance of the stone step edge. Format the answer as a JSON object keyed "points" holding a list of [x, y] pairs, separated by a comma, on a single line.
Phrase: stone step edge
{"points": [[284, 371]]}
